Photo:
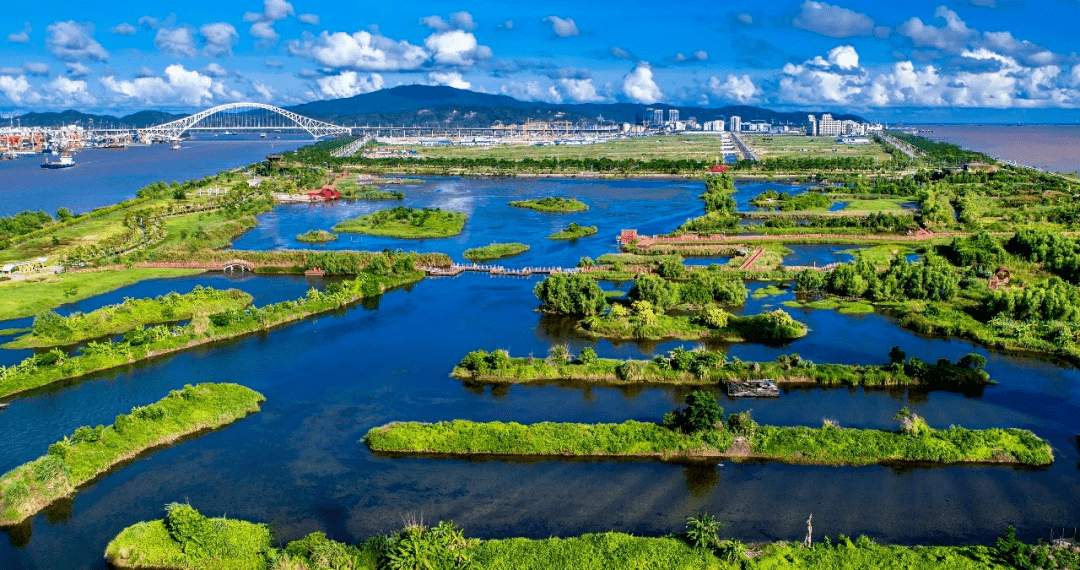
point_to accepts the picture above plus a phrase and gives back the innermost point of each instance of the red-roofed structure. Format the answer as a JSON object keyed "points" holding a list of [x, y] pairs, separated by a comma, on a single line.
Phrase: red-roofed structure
{"points": [[718, 168], [326, 193]]}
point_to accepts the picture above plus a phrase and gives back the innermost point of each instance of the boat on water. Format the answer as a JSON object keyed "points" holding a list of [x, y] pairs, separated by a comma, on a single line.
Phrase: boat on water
{"points": [[8, 156], [66, 161], [262, 135], [4, 406], [176, 146]]}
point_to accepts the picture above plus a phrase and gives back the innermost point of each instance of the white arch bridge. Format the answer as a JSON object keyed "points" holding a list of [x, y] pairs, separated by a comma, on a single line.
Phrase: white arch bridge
{"points": [[226, 117]]}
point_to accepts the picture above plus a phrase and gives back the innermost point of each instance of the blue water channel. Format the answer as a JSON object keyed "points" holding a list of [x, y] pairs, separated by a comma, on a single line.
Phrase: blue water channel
{"points": [[300, 466]]}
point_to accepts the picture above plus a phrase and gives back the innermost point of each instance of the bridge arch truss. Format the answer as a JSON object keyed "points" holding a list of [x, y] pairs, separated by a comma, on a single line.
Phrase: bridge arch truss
{"points": [[174, 129]]}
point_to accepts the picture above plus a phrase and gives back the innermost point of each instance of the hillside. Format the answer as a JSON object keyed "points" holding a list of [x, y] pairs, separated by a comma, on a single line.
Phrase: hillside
{"points": [[427, 105]]}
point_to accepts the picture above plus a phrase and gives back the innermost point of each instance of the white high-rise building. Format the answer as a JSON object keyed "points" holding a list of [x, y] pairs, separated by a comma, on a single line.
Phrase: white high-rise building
{"points": [[658, 118], [673, 116], [812, 126], [829, 127], [736, 123]]}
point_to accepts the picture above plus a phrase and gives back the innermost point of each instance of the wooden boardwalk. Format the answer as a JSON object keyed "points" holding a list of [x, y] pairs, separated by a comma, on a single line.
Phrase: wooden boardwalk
{"points": [[495, 270]]}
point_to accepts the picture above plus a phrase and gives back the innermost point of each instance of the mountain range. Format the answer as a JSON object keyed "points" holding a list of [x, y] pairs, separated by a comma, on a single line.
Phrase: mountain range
{"points": [[426, 105]]}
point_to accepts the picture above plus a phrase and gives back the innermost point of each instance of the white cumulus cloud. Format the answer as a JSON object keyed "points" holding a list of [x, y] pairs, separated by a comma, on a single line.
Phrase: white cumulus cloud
{"points": [[734, 88], [449, 79], [832, 21], [178, 42], [639, 86], [455, 47], [18, 90], [562, 27], [262, 23], [309, 19], [179, 84], [348, 84], [951, 38], [362, 51], [579, 90], [76, 69], [36, 68], [123, 29], [21, 37], [71, 41], [68, 92], [220, 38]]}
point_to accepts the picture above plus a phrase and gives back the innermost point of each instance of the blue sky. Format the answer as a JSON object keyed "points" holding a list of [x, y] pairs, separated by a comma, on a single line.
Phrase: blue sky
{"points": [[889, 58]]}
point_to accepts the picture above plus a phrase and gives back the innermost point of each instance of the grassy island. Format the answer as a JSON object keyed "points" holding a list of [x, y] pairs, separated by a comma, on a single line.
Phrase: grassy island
{"points": [[827, 445], [574, 231], [89, 452], [706, 367], [371, 193], [143, 344], [495, 251], [317, 236], [409, 223], [552, 204], [185, 540], [51, 329], [643, 321]]}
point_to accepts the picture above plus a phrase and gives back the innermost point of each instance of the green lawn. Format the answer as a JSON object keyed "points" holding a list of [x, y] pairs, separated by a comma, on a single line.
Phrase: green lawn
{"points": [[552, 204], [878, 205], [33, 296]]}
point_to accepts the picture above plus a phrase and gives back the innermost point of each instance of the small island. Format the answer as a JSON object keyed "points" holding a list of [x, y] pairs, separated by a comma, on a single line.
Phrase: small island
{"points": [[574, 231], [701, 367], [372, 193], [317, 236], [407, 223], [90, 452], [495, 251], [699, 430], [51, 329], [552, 204], [643, 321]]}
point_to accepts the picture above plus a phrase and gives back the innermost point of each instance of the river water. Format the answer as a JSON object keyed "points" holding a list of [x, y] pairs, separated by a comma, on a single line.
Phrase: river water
{"points": [[299, 464], [1050, 147]]}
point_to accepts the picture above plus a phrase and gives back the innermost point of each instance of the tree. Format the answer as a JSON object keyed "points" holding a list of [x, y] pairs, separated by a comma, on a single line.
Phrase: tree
{"points": [[702, 412], [661, 293], [63, 215], [897, 356], [570, 295], [701, 531], [973, 361]]}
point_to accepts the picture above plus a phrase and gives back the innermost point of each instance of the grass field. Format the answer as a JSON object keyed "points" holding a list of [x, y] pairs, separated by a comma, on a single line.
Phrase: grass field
{"points": [[32, 296], [879, 205], [769, 146], [495, 251], [706, 148]]}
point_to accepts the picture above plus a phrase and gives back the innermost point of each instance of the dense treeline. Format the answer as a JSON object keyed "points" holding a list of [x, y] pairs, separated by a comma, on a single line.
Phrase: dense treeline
{"points": [[876, 222], [186, 539], [940, 151], [570, 295], [784, 202], [23, 223], [1056, 252], [701, 288], [932, 280]]}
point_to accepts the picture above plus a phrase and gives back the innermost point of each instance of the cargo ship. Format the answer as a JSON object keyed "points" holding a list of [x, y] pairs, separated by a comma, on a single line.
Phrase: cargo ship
{"points": [[66, 161]]}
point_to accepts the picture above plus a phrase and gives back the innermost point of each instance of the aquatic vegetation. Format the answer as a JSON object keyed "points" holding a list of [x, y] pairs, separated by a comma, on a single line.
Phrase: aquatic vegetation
{"points": [[317, 236], [552, 204], [89, 452], [495, 251]]}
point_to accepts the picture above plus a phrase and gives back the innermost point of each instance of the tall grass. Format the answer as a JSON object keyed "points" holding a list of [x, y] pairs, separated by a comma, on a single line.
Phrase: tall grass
{"points": [[89, 452], [825, 446], [51, 329]]}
